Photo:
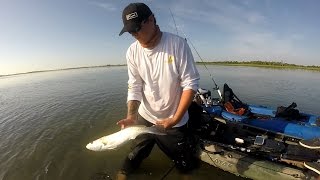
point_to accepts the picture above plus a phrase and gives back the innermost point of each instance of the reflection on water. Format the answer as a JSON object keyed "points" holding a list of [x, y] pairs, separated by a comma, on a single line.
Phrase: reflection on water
{"points": [[46, 119]]}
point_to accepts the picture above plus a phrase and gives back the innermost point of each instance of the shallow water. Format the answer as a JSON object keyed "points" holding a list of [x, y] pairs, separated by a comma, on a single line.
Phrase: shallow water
{"points": [[46, 119]]}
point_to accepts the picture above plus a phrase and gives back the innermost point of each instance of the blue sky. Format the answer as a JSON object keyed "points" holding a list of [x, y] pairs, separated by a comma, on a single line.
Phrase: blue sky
{"points": [[45, 34]]}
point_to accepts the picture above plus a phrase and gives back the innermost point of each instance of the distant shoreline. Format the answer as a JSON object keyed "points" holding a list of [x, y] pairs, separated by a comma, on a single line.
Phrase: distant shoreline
{"points": [[262, 64], [64, 69]]}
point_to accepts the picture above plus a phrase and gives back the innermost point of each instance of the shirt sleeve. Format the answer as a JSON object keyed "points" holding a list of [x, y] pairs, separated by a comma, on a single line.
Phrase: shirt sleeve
{"points": [[188, 71], [135, 81]]}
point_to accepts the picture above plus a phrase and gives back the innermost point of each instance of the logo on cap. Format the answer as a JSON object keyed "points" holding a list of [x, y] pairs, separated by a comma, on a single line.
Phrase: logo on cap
{"points": [[131, 16]]}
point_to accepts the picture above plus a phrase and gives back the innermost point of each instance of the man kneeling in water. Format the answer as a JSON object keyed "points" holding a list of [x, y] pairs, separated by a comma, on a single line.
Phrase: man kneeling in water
{"points": [[163, 79]]}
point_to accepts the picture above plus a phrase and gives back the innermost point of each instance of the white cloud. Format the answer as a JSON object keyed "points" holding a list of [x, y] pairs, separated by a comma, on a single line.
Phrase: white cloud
{"points": [[109, 6], [261, 43], [223, 14], [255, 18]]}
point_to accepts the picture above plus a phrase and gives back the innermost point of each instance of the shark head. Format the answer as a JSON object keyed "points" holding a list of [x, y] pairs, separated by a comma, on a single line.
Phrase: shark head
{"points": [[95, 146]]}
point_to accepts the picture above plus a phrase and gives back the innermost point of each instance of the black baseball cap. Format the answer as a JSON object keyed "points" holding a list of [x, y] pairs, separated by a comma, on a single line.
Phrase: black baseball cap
{"points": [[133, 15]]}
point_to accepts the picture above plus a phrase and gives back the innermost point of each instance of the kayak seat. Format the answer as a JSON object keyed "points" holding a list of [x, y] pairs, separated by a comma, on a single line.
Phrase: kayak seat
{"points": [[232, 103]]}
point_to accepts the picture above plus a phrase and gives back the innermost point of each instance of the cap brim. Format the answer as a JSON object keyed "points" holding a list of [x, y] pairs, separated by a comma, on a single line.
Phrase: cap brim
{"points": [[130, 27], [122, 31]]}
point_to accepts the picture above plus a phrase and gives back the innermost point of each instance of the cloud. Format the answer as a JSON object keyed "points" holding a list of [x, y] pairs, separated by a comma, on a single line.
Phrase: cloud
{"points": [[223, 14], [261, 43], [109, 6]]}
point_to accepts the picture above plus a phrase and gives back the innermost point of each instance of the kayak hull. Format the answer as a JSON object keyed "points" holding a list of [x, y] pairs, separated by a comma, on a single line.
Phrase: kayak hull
{"points": [[243, 165]]}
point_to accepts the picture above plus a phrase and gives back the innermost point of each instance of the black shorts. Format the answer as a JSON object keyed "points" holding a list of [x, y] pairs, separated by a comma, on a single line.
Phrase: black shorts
{"points": [[178, 144]]}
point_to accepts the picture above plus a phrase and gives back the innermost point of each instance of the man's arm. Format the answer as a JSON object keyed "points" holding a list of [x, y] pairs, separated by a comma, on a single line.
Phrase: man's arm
{"points": [[185, 101], [134, 92], [132, 114], [133, 107]]}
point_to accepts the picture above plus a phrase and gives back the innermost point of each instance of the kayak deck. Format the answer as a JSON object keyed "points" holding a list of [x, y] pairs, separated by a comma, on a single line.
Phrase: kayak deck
{"points": [[250, 167]]}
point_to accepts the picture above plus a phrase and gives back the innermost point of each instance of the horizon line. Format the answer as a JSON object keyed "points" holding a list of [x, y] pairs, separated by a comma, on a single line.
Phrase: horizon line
{"points": [[62, 69], [108, 65]]}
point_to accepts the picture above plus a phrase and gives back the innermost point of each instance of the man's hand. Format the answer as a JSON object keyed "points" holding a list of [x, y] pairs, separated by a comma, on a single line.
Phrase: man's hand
{"points": [[132, 114], [166, 123], [125, 123]]}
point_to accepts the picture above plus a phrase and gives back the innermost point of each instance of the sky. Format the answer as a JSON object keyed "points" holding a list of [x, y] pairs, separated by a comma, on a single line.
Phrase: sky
{"points": [[45, 34]]}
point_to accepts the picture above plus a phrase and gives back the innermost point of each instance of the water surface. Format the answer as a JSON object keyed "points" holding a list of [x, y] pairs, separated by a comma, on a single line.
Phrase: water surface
{"points": [[47, 118]]}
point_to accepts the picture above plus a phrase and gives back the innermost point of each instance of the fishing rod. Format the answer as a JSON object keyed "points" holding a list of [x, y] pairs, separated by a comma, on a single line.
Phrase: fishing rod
{"points": [[174, 21], [214, 82]]}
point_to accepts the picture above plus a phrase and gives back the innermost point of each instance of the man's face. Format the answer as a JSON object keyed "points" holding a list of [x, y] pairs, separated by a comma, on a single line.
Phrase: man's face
{"points": [[145, 32]]}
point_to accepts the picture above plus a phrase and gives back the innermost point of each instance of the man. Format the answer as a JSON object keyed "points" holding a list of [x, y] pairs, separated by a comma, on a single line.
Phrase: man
{"points": [[162, 81]]}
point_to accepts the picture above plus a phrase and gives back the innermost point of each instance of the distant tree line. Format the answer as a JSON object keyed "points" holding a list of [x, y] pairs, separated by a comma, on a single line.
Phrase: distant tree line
{"points": [[63, 69], [261, 63]]}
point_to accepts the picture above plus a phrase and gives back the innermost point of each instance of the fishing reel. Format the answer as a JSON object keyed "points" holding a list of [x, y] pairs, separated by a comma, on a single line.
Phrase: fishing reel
{"points": [[203, 97]]}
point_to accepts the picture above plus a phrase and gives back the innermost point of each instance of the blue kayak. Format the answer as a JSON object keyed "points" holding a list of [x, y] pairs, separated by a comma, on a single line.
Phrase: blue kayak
{"points": [[229, 128], [265, 118]]}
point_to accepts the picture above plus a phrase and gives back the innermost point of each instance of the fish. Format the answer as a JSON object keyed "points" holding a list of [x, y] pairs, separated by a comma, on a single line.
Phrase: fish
{"points": [[123, 136]]}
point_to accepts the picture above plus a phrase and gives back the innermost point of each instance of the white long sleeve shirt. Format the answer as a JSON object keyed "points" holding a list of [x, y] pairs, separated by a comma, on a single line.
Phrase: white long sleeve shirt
{"points": [[158, 76]]}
